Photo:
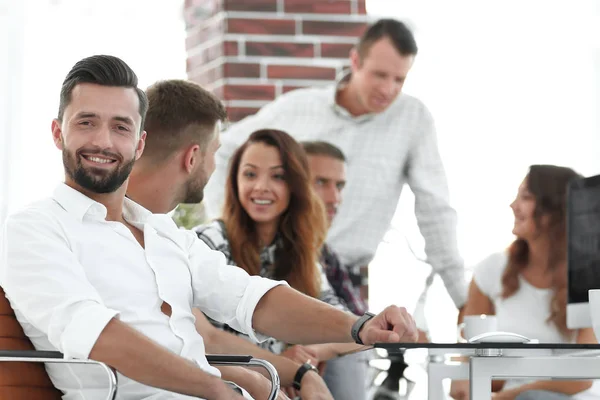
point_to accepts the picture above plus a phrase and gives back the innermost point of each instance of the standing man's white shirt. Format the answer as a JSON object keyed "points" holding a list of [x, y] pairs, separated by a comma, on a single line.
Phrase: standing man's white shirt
{"points": [[67, 271], [384, 152]]}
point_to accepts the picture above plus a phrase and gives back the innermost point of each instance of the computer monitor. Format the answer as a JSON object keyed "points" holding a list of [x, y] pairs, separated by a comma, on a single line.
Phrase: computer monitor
{"points": [[583, 248]]}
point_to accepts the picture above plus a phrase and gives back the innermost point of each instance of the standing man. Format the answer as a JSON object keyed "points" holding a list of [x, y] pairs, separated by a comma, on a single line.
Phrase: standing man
{"points": [[388, 138]]}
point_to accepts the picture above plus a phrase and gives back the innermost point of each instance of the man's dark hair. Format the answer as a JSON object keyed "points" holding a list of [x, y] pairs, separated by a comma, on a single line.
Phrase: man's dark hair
{"points": [[180, 113], [401, 37], [320, 148], [101, 70]]}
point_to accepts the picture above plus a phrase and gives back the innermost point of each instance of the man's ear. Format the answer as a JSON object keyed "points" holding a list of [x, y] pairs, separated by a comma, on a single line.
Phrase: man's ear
{"points": [[57, 134], [355, 61], [191, 157], [140, 145]]}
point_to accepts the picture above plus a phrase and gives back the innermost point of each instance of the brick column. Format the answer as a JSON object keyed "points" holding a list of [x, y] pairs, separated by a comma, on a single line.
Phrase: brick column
{"points": [[248, 52]]}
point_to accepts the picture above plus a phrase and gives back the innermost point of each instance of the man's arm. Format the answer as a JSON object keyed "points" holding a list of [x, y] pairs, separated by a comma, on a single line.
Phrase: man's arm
{"points": [[139, 358], [218, 341], [436, 218], [293, 317], [45, 282]]}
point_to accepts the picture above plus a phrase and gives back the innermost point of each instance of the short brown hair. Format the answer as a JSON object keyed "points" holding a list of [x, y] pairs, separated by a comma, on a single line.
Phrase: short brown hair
{"points": [[401, 37], [320, 148], [179, 113], [101, 70]]}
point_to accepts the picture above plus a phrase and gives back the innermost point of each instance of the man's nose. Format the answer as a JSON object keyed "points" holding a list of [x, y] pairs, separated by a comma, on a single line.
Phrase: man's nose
{"points": [[332, 195], [102, 137]]}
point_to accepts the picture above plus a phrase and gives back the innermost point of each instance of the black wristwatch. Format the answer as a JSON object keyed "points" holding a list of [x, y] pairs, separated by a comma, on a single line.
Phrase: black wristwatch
{"points": [[304, 368], [357, 326]]}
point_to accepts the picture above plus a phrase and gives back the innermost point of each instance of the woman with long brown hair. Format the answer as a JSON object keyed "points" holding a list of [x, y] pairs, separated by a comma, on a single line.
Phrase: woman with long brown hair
{"points": [[525, 286], [273, 224]]}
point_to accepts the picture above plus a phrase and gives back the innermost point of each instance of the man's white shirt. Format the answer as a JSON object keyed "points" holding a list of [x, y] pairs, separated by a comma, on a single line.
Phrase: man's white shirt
{"points": [[67, 272]]}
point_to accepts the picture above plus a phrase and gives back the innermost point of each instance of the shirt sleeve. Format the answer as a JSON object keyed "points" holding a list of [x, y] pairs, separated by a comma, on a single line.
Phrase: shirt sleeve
{"points": [[224, 292], [487, 274], [47, 285], [436, 218]]}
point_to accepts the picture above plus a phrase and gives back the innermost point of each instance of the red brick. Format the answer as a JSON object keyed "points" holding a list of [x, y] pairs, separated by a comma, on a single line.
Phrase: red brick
{"points": [[230, 48], [286, 88], [278, 49], [214, 30], [241, 70], [237, 113], [262, 26], [336, 50], [250, 5], [207, 77], [249, 92], [297, 72], [362, 7], [333, 28], [204, 56], [318, 6]]}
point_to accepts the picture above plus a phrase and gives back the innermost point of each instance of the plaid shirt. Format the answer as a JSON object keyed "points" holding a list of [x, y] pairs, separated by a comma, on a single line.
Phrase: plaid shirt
{"points": [[215, 237], [339, 279]]}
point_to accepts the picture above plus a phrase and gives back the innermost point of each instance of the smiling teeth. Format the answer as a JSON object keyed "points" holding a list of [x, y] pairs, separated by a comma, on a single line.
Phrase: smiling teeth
{"points": [[262, 202], [99, 160]]}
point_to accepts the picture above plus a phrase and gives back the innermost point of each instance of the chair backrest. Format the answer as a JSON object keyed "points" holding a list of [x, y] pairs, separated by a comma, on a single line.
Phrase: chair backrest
{"points": [[20, 380]]}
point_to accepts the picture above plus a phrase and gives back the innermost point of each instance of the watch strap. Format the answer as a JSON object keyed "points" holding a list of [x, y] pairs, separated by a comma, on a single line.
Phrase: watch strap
{"points": [[304, 368], [358, 325]]}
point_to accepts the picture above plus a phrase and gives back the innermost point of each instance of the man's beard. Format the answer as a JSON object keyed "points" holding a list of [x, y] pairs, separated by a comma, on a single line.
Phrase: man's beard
{"points": [[97, 182], [194, 191]]}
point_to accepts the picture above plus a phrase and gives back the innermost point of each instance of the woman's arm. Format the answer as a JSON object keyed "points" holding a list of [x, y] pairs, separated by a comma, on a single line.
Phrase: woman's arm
{"points": [[585, 336]]}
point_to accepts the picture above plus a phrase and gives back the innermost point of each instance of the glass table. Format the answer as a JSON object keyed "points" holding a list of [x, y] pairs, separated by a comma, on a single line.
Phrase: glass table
{"points": [[502, 360]]}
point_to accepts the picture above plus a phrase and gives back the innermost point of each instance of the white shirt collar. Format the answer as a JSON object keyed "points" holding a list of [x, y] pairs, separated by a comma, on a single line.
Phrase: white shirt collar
{"points": [[79, 205], [341, 83]]}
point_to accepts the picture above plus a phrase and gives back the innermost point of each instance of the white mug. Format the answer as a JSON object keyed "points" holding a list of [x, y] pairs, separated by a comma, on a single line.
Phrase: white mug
{"points": [[474, 325], [594, 300]]}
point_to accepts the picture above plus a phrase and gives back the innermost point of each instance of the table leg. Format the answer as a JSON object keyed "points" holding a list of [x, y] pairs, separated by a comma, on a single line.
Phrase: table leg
{"points": [[440, 370], [480, 379]]}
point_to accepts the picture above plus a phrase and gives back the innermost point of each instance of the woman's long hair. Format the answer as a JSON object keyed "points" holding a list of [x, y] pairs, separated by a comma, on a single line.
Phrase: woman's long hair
{"points": [[548, 185], [302, 226]]}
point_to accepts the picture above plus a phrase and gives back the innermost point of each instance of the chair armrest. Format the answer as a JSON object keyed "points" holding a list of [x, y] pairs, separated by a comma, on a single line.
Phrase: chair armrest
{"points": [[249, 361], [57, 357], [218, 359]]}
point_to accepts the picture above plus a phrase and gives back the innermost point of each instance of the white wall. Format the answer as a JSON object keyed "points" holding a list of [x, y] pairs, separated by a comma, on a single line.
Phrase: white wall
{"points": [[510, 84], [52, 35]]}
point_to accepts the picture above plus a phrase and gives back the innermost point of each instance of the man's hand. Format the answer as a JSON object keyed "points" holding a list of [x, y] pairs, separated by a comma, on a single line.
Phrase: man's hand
{"points": [[314, 388], [259, 387], [302, 354], [394, 324]]}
